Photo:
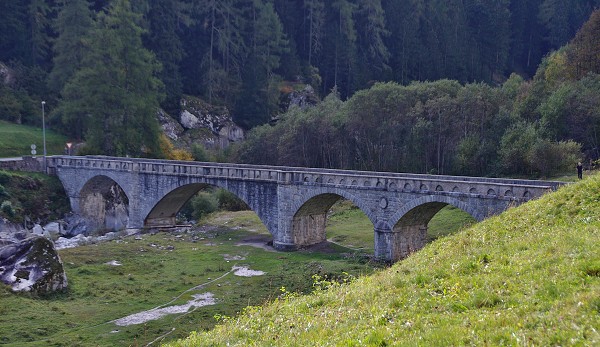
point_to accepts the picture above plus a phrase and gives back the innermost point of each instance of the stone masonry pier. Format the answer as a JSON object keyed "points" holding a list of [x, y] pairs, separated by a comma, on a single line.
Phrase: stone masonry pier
{"points": [[292, 202]]}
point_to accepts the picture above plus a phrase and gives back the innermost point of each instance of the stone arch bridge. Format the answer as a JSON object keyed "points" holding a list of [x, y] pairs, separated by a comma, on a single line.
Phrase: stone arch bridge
{"points": [[291, 202]]}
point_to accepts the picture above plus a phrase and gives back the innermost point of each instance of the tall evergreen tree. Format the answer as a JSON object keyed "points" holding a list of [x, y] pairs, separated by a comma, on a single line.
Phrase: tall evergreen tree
{"points": [[13, 30], [115, 94], [73, 25], [259, 96], [39, 26], [372, 31], [489, 22], [223, 22], [315, 10], [526, 44], [162, 39], [344, 45], [584, 50]]}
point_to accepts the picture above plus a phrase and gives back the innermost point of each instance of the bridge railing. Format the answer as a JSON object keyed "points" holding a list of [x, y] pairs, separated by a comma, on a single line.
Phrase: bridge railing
{"points": [[434, 184]]}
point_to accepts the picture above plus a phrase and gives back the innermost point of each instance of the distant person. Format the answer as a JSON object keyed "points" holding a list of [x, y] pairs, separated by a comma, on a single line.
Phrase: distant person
{"points": [[579, 170]]}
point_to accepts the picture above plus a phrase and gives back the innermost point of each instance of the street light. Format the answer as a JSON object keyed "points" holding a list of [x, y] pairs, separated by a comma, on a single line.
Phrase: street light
{"points": [[44, 135]]}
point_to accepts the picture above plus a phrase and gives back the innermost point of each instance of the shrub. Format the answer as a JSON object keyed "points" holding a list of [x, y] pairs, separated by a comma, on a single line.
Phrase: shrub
{"points": [[203, 204], [7, 209], [199, 153], [229, 202]]}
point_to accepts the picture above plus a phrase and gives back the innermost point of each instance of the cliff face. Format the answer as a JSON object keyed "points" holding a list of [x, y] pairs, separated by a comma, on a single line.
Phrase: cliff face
{"points": [[200, 122]]}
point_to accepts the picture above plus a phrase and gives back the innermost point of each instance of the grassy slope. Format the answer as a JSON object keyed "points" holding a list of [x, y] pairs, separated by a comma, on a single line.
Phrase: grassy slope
{"points": [[528, 277], [16, 139]]}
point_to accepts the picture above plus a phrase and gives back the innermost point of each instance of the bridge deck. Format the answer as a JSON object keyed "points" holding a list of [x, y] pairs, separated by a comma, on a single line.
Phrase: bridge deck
{"points": [[283, 174]]}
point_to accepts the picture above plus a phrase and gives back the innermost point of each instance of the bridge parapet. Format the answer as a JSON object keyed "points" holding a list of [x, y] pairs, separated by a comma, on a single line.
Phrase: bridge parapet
{"points": [[479, 187]]}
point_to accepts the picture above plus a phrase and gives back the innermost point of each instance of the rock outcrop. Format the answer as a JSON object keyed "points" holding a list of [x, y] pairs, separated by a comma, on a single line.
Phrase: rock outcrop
{"points": [[170, 126], [303, 98], [31, 265], [6, 75], [200, 122]]}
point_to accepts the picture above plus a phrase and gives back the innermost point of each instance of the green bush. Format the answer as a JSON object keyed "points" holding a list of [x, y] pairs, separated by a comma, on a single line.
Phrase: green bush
{"points": [[7, 209], [229, 202], [203, 204], [4, 177], [199, 153]]}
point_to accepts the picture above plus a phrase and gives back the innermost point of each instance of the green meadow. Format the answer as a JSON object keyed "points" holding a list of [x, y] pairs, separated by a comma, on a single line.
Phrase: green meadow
{"points": [[16, 140]]}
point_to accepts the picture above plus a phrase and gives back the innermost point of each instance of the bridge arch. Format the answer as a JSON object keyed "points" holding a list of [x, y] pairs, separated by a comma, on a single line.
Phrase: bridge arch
{"points": [[310, 214], [409, 224], [104, 202], [164, 211], [420, 209]]}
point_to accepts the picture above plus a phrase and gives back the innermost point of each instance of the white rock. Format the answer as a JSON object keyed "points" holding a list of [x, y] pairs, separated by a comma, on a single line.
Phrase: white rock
{"points": [[188, 120], [53, 228]]}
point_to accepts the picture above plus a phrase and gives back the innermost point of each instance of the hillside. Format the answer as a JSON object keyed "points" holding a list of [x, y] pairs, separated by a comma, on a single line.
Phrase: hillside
{"points": [[528, 277], [16, 139]]}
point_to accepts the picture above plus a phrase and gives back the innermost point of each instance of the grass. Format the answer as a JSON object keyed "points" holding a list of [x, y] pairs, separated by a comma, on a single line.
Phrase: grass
{"points": [[156, 268], [349, 226], [530, 276], [16, 139]]}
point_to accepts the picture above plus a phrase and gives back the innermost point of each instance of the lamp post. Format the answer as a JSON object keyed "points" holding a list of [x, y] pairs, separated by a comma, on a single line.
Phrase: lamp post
{"points": [[44, 135]]}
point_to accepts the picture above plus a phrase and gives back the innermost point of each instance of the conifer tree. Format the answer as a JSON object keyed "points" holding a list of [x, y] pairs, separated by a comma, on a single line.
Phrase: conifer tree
{"points": [[258, 98], [373, 51], [162, 39], [345, 44], [73, 25], [12, 30], [38, 13], [115, 95]]}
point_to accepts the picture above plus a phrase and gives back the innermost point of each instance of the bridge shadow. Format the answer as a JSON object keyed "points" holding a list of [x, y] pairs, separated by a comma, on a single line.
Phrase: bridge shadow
{"points": [[104, 205]]}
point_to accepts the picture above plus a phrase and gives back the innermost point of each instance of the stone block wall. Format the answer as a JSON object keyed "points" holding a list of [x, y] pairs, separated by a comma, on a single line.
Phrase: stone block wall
{"points": [[27, 164]]}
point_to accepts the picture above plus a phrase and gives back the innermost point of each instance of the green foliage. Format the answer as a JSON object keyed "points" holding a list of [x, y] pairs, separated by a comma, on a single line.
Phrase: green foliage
{"points": [[583, 51], [73, 24], [114, 103], [163, 41], [203, 204], [34, 197], [93, 60], [7, 209], [199, 153], [229, 202], [515, 146], [11, 107]]}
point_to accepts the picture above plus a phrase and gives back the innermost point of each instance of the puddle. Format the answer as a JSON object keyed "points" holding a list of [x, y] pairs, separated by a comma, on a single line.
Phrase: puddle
{"points": [[244, 271], [200, 300]]}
